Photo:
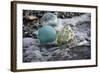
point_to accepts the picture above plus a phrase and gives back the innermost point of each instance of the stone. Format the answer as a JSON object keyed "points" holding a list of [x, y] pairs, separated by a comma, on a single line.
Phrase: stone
{"points": [[29, 42], [31, 17], [32, 56]]}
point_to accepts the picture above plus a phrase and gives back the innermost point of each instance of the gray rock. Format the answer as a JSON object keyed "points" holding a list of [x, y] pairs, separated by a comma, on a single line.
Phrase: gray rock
{"points": [[35, 33], [45, 53], [81, 52], [33, 56], [53, 49], [61, 54], [29, 42], [34, 47]]}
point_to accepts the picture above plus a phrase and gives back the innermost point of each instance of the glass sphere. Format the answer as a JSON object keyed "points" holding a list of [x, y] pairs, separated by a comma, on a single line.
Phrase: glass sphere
{"points": [[46, 34], [49, 19]]}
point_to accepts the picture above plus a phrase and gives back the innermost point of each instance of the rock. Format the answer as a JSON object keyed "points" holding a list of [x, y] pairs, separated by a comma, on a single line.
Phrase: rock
{"points": [[26, 53], [29, 42], [26, 31], [53, 49], [51, 45], [32, 56], [45, 53], [82, 52], [60, 54], [59, 27], [84, 42], [43, 49], [83, 32], [34, 47], [35, 34], [75, 20], [31, 17]]}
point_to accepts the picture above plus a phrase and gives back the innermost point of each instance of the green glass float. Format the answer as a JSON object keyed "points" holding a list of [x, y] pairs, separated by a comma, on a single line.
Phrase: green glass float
{"points": [[66, 37], [46, 34], [49, 19]]}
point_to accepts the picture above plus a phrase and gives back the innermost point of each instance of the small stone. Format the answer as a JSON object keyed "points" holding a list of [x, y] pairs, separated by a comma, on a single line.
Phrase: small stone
{"points": [[31, 17]]}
